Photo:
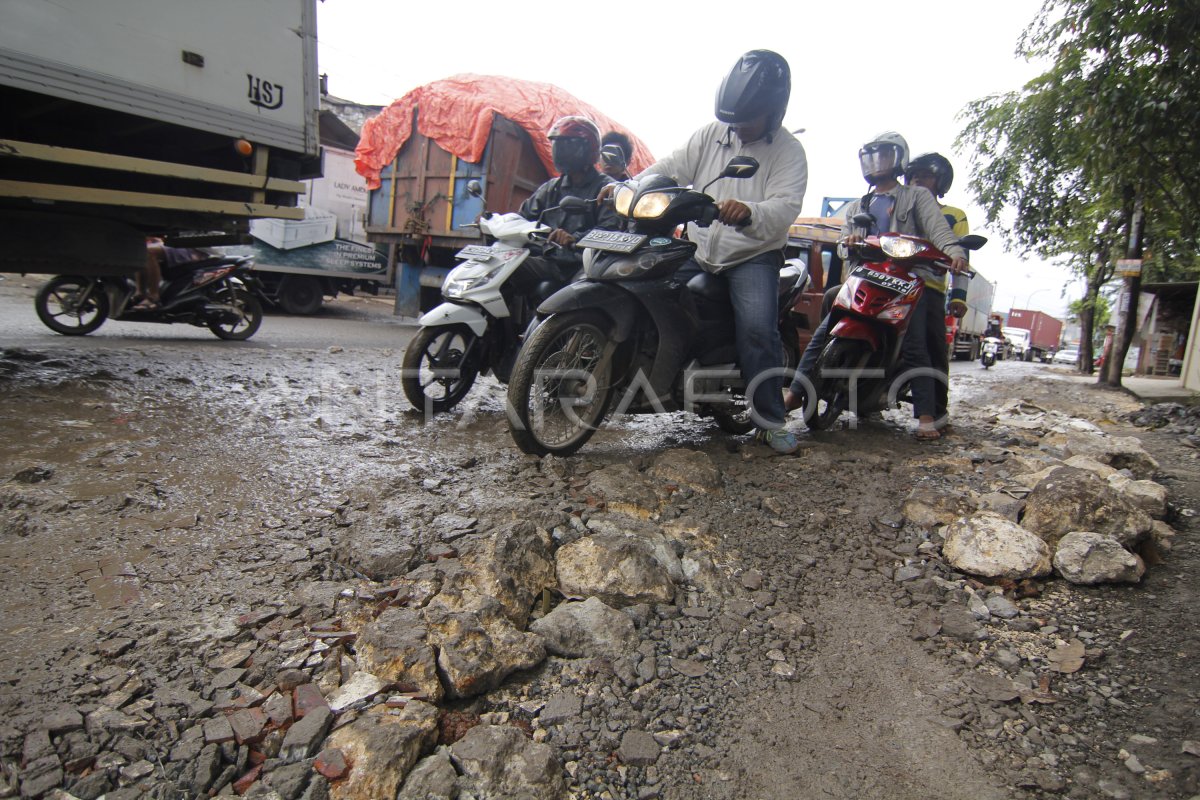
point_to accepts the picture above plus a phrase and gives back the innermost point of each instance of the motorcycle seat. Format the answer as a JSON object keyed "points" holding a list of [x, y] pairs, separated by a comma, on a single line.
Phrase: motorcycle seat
{"points": [[709, 286]]}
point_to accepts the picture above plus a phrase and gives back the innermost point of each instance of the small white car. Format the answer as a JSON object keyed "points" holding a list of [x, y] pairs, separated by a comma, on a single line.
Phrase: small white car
{"points": [[1069, 355]]}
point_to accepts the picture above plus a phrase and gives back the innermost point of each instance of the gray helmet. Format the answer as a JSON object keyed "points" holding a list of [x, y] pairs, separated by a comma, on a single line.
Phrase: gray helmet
{"points": [[885, 156]]}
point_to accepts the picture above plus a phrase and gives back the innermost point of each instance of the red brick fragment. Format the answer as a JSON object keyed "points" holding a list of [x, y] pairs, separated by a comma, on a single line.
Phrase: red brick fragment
{"points": [[305, 698], [243, 784], [331, 763]]}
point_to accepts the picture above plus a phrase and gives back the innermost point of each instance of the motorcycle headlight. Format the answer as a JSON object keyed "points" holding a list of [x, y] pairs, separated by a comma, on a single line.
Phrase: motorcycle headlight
{"points": [[899, 247], [456, 285], [652, 205], [622, 200]]}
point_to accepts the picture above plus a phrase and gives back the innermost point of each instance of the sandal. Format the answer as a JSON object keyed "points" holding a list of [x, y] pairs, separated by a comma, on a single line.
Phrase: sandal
{"points": [[145, 305], [928, 434]]}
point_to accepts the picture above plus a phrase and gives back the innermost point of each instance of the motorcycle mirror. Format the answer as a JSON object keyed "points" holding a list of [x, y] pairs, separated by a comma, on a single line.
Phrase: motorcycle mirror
{"points": [[972, 242], [863, 221], [572, 203], [738, 167], [613, 156], [474, 188]]}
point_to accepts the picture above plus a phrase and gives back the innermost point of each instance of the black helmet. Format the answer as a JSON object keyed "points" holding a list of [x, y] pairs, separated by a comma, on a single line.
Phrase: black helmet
{"points": [[759, 83], [934, 163], [575, 143]]}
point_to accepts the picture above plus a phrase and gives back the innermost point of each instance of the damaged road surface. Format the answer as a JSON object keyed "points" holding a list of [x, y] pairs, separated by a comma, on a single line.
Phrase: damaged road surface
{"points": [[253, 570]]}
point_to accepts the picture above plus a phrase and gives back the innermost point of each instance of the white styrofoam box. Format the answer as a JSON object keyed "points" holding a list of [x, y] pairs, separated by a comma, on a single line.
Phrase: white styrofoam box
{"points": [[317, 226]]}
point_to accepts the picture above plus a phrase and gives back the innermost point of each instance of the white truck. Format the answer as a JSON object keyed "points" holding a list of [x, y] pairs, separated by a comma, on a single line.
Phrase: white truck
{"points": [[964, 336], [1018, 342], [132, 118]]}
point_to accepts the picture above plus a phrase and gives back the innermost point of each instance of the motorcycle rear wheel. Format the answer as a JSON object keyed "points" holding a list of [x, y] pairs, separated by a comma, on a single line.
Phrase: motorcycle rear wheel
{"points": [[833, 394], [440, 366], [249, 311], [735, 418], [62, 307], [561, 386]]}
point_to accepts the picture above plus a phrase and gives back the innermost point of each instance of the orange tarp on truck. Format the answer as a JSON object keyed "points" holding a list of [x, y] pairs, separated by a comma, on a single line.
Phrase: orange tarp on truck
{"points": [[457, 114]]}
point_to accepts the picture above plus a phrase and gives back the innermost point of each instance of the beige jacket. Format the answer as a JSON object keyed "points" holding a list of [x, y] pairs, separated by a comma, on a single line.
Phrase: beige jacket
{"points": [[916, 213]]}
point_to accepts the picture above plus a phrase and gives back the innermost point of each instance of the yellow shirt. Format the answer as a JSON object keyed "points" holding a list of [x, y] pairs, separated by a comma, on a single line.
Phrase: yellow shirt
{"points": [[956, 218]]}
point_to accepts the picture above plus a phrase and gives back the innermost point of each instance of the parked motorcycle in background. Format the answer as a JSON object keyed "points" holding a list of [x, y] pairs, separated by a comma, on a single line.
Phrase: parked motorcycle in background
{"points": [[480, 326], [209, 292], [631, 330], [991, 347], [861, 368]]}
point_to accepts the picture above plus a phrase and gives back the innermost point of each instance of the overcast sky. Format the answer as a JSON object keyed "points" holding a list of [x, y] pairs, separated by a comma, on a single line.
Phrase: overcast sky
{"points": [[857, 68]]}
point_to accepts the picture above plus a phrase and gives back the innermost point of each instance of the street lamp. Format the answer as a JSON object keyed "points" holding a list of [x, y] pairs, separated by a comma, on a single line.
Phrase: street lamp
{"points": [[1029, 299]]}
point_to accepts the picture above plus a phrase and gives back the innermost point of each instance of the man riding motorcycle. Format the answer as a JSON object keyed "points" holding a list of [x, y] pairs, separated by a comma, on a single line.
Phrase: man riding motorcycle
{"points": [[575, 146], [911, 210], [746, 248]]}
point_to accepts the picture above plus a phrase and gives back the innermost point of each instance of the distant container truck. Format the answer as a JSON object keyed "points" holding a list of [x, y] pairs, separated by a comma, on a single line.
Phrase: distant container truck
{"points": [[1044, 332]]}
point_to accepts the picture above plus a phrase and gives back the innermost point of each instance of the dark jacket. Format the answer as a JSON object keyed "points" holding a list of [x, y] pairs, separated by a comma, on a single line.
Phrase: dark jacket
{"points": [[576, 223]]}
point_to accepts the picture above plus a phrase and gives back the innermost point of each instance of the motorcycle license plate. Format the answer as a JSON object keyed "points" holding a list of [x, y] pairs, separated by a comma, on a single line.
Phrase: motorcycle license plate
{"points": [[612, 241], [476, 252], [891, 282]]}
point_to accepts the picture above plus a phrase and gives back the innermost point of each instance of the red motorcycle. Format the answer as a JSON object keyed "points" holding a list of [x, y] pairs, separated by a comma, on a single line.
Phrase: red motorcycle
{"points": [[860, 367]]}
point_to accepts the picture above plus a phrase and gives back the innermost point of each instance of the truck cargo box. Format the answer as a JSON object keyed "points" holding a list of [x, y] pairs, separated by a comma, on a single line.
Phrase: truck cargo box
{"points": [[1044, 331], [130, 118], [423, 192], [419, 153]]}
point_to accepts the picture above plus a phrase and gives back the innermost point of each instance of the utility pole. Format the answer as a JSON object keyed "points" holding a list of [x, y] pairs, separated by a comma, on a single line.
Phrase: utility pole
{"points": [[1130, 268]]}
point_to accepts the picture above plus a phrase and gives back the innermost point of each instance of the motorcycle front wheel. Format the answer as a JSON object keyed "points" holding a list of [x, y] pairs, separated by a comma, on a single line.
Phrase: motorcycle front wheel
{"points": [[440, 366], [242, 322], [561, 384], [72, 306], [833, 393]]}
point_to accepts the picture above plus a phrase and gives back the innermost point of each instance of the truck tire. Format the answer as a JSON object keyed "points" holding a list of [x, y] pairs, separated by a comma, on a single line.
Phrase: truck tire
{"points": [[301, 294]]}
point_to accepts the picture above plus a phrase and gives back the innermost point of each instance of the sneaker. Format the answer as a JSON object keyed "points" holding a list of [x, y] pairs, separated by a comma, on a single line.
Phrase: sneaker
{"points": [[781, 441]]}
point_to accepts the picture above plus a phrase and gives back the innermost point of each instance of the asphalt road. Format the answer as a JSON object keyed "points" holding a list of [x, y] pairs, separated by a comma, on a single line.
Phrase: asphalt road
{"points": [[348, 322]]}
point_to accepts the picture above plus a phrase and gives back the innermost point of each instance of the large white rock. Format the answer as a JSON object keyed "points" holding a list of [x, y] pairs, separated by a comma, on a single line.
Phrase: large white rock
{"points": [[1072, 499], [1149, 496], [620, 570], [1088, 557], [590, 628], [1118, 452], [993, 546]]}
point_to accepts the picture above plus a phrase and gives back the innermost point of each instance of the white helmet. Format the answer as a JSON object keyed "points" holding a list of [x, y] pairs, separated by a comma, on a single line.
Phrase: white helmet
{"points": [[885, 156]]}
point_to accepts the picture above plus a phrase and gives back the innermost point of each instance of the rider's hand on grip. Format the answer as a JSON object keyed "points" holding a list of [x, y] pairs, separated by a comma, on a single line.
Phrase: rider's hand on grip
{"points": [[733, 212]]}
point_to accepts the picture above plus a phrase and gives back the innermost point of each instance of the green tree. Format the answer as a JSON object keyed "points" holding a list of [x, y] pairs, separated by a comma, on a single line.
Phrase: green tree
{"points": [[1099, 157]]}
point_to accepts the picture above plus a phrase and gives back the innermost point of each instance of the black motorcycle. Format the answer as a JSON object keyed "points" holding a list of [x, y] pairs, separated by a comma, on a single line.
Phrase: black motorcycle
{"points": [[631, 329], [210, 292]]}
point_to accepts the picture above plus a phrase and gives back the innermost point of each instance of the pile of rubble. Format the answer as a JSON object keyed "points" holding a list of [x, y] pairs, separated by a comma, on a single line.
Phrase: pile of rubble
{"points": [[1171, 418]]}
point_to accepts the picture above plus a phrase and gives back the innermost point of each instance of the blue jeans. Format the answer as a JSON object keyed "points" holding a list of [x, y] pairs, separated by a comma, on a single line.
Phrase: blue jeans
{"points": [[754, 293], [808, 362]]}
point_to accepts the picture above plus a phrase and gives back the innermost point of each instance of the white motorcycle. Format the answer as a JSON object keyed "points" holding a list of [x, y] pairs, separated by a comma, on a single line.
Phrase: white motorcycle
{"points": [[991, 347], [480, 325]]}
